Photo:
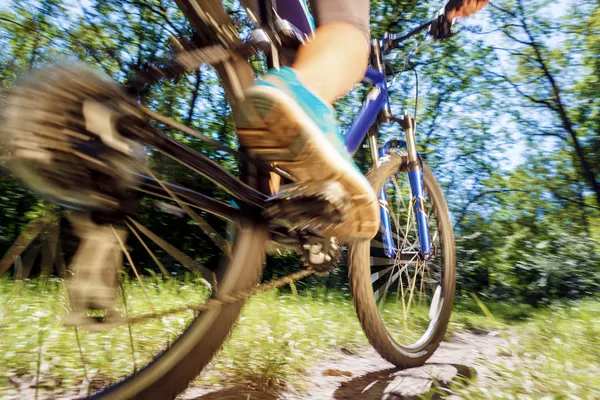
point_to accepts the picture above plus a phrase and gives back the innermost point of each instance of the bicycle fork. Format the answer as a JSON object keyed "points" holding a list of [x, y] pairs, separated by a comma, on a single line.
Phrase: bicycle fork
{"points": [[415, 176]]}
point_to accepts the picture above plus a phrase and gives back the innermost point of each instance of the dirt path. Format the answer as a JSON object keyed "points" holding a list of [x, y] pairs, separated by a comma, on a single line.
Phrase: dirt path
{"points": [[367, 376]]}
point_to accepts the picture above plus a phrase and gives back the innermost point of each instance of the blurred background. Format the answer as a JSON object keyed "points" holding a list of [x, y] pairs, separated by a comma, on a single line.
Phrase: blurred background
{"points": [[508, 119]]}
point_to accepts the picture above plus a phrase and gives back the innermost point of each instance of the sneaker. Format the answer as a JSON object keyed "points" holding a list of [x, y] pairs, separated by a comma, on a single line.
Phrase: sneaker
{"points": [[294, 129]]}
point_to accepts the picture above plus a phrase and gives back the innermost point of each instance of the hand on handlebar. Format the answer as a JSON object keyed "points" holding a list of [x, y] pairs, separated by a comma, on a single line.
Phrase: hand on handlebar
{"points": [[463, 8], [441, 27]]}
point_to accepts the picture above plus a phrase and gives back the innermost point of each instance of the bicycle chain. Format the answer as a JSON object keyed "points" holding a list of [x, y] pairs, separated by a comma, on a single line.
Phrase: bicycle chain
{"points": [[220, 302]]}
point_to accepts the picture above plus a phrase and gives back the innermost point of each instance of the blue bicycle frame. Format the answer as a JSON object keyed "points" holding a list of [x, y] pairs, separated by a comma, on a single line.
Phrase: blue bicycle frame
{"points": [[375, 105]]}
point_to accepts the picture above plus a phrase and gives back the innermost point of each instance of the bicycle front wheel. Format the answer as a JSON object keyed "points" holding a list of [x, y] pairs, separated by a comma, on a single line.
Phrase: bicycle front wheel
{"points": [[404, 302]]}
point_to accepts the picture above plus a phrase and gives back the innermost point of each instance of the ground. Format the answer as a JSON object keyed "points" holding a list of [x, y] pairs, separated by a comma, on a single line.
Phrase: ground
{"points": [[366, 376]]}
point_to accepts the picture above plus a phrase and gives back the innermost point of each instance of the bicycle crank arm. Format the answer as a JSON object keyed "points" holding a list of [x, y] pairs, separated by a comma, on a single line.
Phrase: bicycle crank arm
{"points": [[308, 206]]}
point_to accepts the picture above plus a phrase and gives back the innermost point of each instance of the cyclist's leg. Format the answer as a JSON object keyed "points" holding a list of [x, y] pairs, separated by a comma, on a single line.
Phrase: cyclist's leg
{"points": [[294, 105], [336, 58]]}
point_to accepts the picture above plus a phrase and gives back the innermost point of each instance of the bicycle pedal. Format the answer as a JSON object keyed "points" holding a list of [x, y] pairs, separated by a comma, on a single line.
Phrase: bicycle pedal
{"points": [[309, 205]]}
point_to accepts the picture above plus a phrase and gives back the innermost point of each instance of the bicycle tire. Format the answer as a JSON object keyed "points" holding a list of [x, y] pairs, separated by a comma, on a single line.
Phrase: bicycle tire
{"points": [[361, 284], [170, 372]]}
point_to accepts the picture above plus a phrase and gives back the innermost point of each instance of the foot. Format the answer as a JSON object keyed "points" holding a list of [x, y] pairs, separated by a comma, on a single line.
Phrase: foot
{"points": [[299, 132]]}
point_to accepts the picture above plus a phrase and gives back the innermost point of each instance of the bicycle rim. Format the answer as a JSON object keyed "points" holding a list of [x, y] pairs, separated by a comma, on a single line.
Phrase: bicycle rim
{"points": [[147, 367], [404, 302]]}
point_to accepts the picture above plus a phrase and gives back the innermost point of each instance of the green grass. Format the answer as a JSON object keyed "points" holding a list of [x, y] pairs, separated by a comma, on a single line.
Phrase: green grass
{"points": [[281, 336], [34, 337], [278, 336], [553, 354]]}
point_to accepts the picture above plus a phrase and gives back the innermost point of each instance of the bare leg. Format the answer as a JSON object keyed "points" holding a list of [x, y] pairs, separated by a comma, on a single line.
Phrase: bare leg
{"points": [[334, 61]]}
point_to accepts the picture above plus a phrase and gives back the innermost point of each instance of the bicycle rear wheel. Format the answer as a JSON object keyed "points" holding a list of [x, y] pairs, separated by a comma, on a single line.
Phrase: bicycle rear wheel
{"points": [[404, 303], [47, 116]]}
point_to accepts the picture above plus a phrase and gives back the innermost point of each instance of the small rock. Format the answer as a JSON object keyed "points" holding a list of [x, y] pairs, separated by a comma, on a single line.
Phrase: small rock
{"points": [[414, 382], [336, 372], [407, 386]]}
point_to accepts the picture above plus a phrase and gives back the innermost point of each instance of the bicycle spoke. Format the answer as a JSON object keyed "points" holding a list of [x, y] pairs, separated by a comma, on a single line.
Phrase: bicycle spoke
{"points": [[177, 254], [385, 290], [406, 265], [86, 381], [403, 299], [83, 363], [435, 236], [121, 285], [155, 194], [421, 287], [398, 190], [376, 275], [38, 364], [154, 258], [380, 261], [126, 252], [392, 214], [399, 232], [204, 226], [412, 289], [397, 223], [408, 222], [390, 281]]}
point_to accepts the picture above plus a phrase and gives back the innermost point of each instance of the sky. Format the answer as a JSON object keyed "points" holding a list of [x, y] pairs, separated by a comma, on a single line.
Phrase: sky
{"points": [[514, 152]]}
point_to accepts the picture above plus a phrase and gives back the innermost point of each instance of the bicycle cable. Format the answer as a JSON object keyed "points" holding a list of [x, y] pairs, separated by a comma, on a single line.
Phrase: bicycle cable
{"points": [[406, 59]]}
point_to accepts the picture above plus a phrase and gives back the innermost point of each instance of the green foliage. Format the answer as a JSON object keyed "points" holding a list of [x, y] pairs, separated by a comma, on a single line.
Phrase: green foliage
{"points": [[552, 355], [527, 82]]}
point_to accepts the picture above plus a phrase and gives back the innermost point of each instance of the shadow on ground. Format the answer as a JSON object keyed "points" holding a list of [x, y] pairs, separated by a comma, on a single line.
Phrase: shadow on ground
{"points": [[367, 376], [385, 384], [412, 383], [235, 393]]}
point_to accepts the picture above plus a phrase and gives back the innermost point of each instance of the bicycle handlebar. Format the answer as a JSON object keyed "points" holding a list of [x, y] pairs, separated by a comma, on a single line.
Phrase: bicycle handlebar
{"points": [[439, 28], [392, 41]]}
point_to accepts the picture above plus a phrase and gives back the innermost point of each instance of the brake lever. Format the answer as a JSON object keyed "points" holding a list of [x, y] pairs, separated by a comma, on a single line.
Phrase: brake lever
{"points": [[440, 28]]}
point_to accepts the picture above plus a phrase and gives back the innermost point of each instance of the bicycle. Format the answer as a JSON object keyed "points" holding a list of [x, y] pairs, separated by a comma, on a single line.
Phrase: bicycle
{"points": [[414, 251]]}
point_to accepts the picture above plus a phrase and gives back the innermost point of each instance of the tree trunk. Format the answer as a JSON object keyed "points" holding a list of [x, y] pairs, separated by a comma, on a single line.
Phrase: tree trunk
{"points": [[194, 98]]}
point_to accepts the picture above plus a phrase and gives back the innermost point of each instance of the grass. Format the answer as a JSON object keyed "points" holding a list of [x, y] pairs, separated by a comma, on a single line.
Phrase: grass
{"points": [[553, 354], [278, 336], [281, 336], [35, 339]]}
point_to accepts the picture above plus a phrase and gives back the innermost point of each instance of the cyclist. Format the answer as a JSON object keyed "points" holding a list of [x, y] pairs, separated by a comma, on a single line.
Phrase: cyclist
{"points": [[294, 105]]}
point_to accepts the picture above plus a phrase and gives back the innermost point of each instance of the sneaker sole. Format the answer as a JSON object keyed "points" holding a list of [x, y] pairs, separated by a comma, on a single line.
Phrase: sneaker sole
{"points": [[297, 146]]}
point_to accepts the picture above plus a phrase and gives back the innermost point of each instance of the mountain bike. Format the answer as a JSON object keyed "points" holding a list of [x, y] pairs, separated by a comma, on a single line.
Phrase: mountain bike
{"points": [[82, 142]]}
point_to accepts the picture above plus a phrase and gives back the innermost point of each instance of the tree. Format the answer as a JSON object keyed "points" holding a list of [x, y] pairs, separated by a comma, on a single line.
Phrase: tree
{"points": [[548, 78]]}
